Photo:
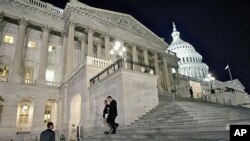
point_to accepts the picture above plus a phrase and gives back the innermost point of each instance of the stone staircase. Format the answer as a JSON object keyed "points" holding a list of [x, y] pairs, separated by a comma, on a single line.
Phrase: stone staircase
{"points": [[182, 120]]}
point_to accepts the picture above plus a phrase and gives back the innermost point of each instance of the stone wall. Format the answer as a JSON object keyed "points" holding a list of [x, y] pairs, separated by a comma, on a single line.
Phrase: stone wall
{"points": [[136, 93]]}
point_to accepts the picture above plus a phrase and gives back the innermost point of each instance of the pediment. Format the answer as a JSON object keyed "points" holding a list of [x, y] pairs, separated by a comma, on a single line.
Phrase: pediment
{"points": [[111, 18]]}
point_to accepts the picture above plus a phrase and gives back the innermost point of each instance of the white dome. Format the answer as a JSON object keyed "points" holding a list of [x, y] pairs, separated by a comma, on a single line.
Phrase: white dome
{"points": [[190, 63]]}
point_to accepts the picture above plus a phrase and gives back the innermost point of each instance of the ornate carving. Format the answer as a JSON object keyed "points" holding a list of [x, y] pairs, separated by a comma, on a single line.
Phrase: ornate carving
{"points": [[46, 28], [22, 22]]}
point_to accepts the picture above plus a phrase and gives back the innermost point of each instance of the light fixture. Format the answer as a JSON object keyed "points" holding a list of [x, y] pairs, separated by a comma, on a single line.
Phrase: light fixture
{"points": [[118, 50], [25, 107]]}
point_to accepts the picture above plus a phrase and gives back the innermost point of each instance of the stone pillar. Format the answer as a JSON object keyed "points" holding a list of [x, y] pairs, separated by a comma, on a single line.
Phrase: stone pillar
{"points": [[70, 47], [166, 75], [90, 42], [99, 50], [157, 70], [43, 55], [83, 49], [38, 116], [2, 24], [15, 74], [171, 78], [107, 47], [64, 56], [135, 56], [145, 54]]}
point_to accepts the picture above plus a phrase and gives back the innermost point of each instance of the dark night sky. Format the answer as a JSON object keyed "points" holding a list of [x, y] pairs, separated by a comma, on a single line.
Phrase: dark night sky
{"points": [[218, 29]]}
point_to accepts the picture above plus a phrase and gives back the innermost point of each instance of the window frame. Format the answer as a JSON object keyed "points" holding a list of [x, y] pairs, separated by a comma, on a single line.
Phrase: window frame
{"points": [[10, 35]]}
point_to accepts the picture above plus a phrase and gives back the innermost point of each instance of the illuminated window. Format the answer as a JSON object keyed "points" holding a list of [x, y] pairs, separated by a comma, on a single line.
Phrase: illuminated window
{"points": [[47, 113], [8, 39], [24, 113], [50, 75], [28, 73], [4, 71], [51, 49], [31, 44]]}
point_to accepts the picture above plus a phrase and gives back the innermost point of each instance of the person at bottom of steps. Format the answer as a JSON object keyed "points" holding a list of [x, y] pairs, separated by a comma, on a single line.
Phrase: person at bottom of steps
{"points": [[112, 114], [105, 116]]}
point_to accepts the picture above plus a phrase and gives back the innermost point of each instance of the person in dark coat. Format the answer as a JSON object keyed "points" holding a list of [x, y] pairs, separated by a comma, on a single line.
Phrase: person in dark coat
{"points": [[191, 92], [112, 114], [49, 134]]}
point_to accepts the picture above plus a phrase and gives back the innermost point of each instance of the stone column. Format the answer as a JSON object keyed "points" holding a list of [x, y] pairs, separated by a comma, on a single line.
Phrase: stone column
{"points": [[99, 50], [15, 74], [135, 56], [171, 78], [107, 47], [2, 24], [70, 47], [90, 42], [157, 70], [64, 56], [145, 54], [166, 75], [38, 115], [83, 48], [43, 55]]}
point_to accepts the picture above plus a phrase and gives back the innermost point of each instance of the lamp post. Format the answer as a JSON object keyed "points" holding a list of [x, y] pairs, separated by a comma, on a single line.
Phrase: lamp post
{"points": [[118, 50], [209, 79]]}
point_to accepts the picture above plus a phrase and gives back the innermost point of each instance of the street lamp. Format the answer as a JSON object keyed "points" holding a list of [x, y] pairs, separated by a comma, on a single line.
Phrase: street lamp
{"points": [[118, 50], [209, 79]]}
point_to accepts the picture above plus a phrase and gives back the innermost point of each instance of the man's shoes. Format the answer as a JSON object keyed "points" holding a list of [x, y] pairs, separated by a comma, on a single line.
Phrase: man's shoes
{"points": [[113, 133], [106, 132]]}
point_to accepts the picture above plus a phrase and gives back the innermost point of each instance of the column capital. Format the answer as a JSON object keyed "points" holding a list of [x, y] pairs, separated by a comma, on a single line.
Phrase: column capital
{"points": [[73, 23], [64, 34], [46, 28], [23, 22], [97, 42], [89, 30]]}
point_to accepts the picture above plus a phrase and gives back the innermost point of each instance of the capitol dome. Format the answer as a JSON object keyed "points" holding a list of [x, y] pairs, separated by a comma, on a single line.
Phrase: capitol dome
{"points": [[190, 63]]}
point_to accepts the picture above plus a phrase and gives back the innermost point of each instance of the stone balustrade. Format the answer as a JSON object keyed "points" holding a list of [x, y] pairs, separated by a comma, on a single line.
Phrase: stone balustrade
{"points": [[28, 81], [98, 62], [53, 84], [46, 6]]}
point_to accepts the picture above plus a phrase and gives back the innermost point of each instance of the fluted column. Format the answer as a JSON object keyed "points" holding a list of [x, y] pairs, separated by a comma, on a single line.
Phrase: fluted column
{"points": [[134, 52], [15, 74], [107, 47], [99, 50], [70, 47], [90, 42], [145, 54], [83, 48], [166, 75], [157, 70], [64, 56], [43, 55]]}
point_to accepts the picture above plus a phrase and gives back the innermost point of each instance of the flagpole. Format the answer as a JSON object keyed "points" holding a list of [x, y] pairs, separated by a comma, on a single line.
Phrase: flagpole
{"points": [[230, 72]]}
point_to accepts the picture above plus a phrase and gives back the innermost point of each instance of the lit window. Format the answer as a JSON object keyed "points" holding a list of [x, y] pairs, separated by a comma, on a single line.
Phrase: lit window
{"points": [[24, 113], [28, 74], [51, 49], [4, 72], [47, 113], [32, 44], [50, 75], [8, 39]]}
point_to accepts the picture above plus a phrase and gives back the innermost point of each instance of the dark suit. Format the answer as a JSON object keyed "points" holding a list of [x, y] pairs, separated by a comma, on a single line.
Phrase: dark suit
{"points": [[47, 135], [112, 115]]}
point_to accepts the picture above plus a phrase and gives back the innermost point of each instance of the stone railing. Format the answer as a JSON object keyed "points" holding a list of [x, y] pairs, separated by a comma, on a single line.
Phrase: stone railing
{"points": [[98, 62], [28, 81], [53, 84], [45, 6], [3, 79], [125, 64]]}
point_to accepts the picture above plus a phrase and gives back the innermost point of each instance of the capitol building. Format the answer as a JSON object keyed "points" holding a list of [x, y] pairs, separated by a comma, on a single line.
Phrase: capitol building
{"points": [[60, 64], [190, 63]]}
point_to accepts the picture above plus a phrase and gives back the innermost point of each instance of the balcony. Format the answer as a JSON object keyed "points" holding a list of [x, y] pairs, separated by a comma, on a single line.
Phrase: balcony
{"points": [[3, 79], [28, 81], [53, 84]]}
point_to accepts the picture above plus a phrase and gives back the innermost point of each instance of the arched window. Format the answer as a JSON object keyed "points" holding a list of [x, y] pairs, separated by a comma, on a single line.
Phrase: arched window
{"points": [[187, 59], [183, 60]]}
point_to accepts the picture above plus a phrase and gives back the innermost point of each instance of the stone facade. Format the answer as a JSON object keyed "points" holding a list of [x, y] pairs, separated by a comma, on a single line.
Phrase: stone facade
{"points": [[48, 55]]}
